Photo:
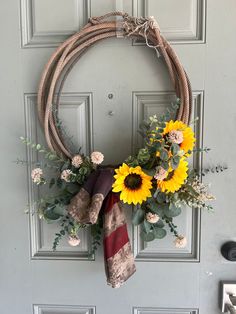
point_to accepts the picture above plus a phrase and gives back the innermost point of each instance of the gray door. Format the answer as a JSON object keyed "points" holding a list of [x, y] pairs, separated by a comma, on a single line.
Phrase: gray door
{"points": [[112, 88]]}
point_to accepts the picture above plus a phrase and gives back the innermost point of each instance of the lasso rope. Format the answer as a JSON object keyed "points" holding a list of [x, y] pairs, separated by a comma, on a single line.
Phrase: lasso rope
{"points": [[69, 52]]}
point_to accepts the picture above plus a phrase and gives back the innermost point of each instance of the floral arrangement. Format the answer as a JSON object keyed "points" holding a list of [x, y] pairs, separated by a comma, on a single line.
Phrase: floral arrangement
{"points": [[157, 180]]}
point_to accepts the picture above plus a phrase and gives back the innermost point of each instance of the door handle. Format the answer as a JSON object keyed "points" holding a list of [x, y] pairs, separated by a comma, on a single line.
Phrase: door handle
{"points": [[228, 297], [230, 308]]}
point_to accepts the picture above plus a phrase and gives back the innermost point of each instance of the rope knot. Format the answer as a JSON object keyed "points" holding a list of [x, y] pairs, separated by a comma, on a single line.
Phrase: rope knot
{"points": [[153, 23], [94, 20]]}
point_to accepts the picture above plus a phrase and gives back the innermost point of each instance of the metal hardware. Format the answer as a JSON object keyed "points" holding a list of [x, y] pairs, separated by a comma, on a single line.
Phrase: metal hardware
{"points": [[228, 250], [228, 297]]}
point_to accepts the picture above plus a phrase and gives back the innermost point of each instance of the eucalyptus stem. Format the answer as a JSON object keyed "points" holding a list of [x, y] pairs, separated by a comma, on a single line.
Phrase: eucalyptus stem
{"points": [[172, 226]]}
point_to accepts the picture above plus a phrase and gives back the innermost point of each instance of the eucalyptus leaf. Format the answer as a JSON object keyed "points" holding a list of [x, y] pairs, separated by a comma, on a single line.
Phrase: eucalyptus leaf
{"points": [[175, 162], [174, 148], [147, 226], [143, 155], [138, 217], [164, 155], [159, 233], [157, 145], [149, 172], [161, 197], [159, 224], [59, 210], [154, 206], [147, 237], [49, 214], [165, 165], [161, 124], [52, 157], [172, 211], [158, 136]]}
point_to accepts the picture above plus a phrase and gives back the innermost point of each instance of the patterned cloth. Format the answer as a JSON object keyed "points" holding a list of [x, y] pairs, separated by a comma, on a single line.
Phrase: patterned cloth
{"points": [[85, 207]]}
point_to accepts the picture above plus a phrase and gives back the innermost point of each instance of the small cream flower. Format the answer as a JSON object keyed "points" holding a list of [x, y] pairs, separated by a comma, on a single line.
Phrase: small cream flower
{"points": [[36, 175], [77, 161], [97, 158], [152, 218], [176, 136], [65, 175], [74, 240], [160, 174], [180, 242]]}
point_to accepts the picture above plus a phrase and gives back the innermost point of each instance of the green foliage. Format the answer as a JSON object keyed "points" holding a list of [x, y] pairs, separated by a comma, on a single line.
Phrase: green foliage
{"points": [[175, 162], [138, 217], [52, 156], [147, 237], [158, 151], [143, 156], [96, 233], [172, 211], [159, 233], [164, 155]]}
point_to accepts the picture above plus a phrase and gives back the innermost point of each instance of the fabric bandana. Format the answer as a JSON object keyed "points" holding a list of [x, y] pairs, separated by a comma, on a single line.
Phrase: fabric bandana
{"points": [[85, 207]]}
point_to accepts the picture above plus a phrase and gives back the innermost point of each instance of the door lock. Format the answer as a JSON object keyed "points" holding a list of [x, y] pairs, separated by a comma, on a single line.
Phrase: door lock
{"points": [[228, 250]]}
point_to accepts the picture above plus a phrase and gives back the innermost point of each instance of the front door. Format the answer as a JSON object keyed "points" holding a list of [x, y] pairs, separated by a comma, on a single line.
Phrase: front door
{"points": [[111, 89]]}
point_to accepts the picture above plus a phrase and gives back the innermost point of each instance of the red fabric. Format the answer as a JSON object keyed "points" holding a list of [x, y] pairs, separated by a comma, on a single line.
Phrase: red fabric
{"points": [[109, 202], [115, 241], [96, 196]]}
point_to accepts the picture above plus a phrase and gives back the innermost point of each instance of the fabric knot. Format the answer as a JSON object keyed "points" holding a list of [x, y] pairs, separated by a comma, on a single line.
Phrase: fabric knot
{"points": [[94, 197]]}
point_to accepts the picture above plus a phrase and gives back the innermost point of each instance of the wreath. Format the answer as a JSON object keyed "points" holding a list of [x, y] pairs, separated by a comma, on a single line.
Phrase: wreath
{"points": [[157, 180]]}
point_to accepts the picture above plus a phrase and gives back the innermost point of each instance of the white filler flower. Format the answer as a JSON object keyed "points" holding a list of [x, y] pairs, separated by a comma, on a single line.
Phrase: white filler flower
{"points": [[152, 218], [180, 242], [97, 158], [65, 175], [36, 175], [77, 161], [74, 240]]}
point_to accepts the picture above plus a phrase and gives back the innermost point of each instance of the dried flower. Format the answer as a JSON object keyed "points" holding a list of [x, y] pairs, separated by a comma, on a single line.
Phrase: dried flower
{"points": [[152, 218], [176, 136], [77, 161], [161, 173], [65, 175], [180, 242], [74, 240], [36, 175], [202, 190], [97, 158]]}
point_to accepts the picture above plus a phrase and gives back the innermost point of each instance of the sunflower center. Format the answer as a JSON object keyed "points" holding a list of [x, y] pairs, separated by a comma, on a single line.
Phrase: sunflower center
{"points": [[133, 181]]}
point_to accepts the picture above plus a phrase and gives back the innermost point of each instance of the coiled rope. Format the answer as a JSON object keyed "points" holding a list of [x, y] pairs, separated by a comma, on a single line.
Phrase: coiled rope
{"points": [[69, 52]]}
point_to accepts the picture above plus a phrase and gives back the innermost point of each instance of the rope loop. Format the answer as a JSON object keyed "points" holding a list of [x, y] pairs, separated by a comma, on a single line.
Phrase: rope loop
{"points": [[68, 53]]}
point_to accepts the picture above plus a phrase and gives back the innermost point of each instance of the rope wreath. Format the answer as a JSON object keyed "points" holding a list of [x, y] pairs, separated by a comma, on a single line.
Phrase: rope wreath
{"points": [[69, 52]]}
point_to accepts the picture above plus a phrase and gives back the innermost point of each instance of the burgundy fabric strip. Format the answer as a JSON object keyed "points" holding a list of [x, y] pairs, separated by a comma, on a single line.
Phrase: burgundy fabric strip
{"points": [[115, 241]]}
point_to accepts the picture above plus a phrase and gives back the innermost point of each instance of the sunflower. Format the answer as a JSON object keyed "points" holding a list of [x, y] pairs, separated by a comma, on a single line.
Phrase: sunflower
{"points": [[175, 178], [133, 184], [188, 134]]}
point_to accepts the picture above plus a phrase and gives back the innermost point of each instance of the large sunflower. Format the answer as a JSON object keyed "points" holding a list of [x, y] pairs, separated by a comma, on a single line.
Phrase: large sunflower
{"points": [[175, 178], [133, 184], [188, 134]]}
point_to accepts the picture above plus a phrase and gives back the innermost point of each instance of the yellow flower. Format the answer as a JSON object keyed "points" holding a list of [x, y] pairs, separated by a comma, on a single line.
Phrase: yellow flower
{"points": [[175, 178], [133, 184], [188, 134]]}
